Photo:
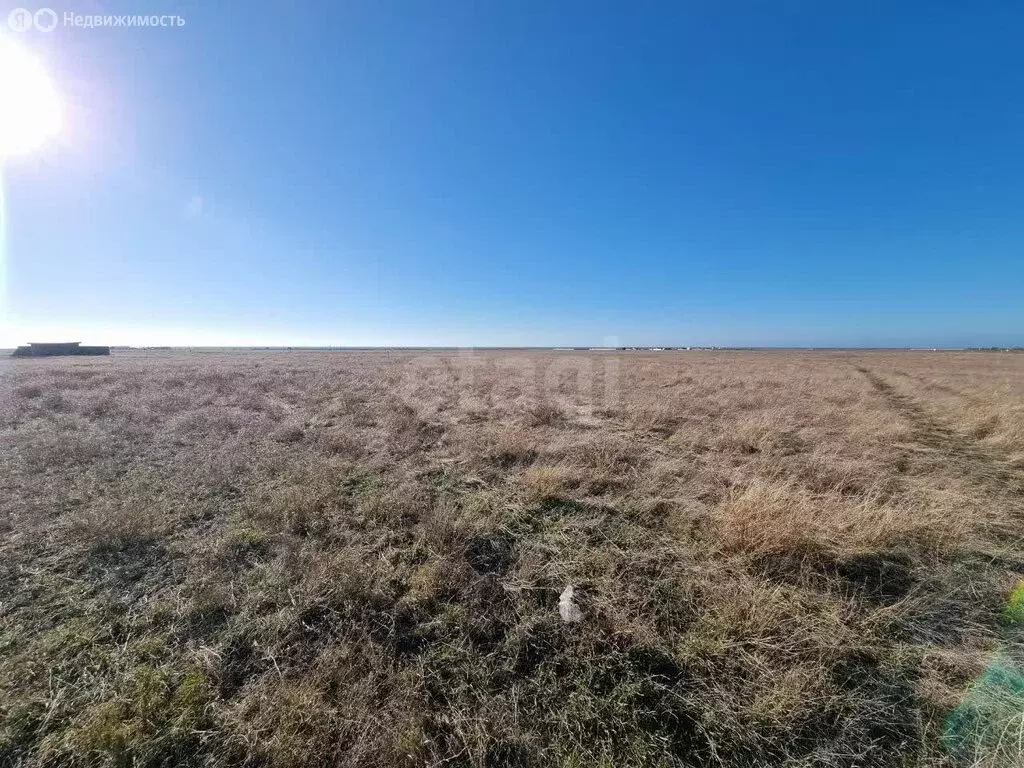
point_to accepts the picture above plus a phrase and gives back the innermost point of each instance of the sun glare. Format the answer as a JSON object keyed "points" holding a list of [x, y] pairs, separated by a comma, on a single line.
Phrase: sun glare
{"points": [[29, 108]]}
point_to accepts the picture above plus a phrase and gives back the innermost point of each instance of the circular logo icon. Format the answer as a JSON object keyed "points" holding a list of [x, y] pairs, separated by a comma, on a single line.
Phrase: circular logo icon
{"points": [[45, 19], [20, 20]]}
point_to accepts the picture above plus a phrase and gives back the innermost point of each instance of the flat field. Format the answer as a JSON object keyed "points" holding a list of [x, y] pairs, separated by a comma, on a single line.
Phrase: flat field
{"points": [[356, 558]]}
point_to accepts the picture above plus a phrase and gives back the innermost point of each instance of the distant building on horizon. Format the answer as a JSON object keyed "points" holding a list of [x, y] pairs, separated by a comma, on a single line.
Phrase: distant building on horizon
{"points": [[54, 349]]}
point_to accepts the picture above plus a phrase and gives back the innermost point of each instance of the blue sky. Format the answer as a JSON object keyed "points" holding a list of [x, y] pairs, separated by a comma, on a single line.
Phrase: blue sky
{"points": [[526, 173]]}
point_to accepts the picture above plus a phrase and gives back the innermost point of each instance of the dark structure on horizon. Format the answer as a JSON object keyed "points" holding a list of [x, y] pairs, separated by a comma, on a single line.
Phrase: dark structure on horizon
{"points": [[53, 349]]}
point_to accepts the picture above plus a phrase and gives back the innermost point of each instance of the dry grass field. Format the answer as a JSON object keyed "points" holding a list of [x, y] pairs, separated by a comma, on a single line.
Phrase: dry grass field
{"points": [[356, 558]]}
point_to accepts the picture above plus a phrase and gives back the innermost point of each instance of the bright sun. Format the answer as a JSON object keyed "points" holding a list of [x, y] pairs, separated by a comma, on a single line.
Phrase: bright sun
{"points": [[29, 108]]}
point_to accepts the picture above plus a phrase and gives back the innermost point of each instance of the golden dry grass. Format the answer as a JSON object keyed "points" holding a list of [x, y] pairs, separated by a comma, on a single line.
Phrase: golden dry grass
{"points": [[303, 558]]}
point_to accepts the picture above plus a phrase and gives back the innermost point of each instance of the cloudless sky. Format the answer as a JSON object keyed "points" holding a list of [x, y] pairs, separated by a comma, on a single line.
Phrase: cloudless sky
{"points": [[526, 172]]}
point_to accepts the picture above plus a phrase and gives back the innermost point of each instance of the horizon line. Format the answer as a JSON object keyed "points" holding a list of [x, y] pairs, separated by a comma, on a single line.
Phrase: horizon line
{"points": [[560, 348]]}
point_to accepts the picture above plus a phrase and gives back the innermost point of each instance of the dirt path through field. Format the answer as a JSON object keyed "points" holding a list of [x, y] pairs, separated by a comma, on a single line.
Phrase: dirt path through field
{"points": [[974, 732], [962, 452]]}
